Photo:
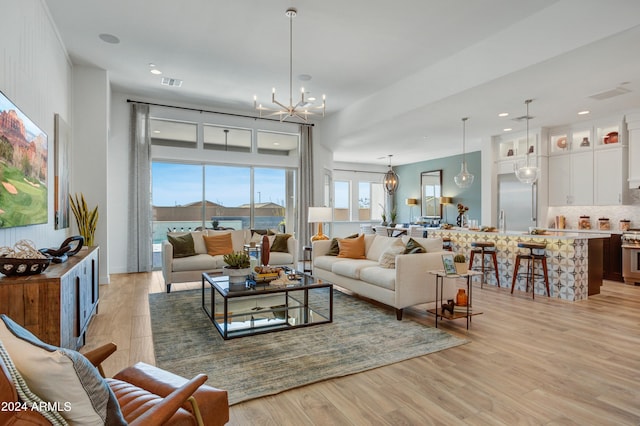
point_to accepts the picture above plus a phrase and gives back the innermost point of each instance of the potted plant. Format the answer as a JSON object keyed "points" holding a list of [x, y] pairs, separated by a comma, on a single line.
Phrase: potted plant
{"points": [[87, 220], [237, 267], [392, 216], [461, 264], [383, 215]]}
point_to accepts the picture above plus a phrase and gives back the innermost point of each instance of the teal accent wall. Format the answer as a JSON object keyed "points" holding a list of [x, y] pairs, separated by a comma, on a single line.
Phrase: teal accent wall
{"points": [[409, 187]]}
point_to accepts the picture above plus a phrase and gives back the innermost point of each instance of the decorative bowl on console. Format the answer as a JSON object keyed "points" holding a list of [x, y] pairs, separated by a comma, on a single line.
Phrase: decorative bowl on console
{"points": [[12, 266]]}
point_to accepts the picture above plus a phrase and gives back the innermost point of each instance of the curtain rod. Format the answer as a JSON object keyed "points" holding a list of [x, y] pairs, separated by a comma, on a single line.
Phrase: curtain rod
{"points": [[358, 171], [214, 112]]}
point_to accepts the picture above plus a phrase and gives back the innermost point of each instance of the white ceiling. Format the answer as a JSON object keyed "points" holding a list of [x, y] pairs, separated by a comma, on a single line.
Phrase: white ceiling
{"points": [[398, 76]]}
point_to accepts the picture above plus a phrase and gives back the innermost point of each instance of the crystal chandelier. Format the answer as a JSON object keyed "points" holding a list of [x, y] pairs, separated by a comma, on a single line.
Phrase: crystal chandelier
{"points": [[390, 179], [526, 173], [304, 108], [464, 179]]}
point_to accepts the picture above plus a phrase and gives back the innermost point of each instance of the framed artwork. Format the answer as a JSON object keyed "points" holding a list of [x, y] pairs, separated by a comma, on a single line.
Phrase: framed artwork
{"points": [[447, 262], [23, 168], [61, 176]]}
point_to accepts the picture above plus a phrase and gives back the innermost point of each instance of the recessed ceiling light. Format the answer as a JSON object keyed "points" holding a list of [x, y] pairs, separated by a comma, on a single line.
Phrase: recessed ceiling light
{"points": [[156, 131], [276, 143], [585, 112], [508, 129], [503, 114], [109, 38], [155, 71]]}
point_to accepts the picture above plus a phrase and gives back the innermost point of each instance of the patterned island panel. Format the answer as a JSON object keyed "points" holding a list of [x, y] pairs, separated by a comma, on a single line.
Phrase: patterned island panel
{"points": [[567, 259]]}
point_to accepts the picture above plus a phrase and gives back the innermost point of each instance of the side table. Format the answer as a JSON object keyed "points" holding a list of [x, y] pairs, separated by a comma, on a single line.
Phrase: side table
{"points": [[307, 257], [441, 313]]}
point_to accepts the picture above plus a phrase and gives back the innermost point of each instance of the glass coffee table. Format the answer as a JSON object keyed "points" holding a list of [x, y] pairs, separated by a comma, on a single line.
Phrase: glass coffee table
{"points": [[264, 307]]}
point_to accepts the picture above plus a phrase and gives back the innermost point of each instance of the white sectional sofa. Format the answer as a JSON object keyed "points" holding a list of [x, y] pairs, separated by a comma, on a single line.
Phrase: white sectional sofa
{"points": [[189, 269], [407, 284]]}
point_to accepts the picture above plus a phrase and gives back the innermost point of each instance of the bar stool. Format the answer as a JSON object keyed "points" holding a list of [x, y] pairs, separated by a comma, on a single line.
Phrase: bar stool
{"points": [[531, 257], [484, 248]]}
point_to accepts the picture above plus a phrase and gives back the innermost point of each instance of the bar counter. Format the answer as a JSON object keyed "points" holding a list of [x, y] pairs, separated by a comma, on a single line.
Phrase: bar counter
{"points": [[574, 260]]}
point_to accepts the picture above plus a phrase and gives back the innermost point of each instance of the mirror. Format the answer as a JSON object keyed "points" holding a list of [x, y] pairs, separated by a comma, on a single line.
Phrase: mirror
{"points": [[430, 188]]}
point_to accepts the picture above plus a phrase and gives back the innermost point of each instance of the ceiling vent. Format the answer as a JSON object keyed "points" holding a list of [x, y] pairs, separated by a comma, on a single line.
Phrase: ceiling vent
{"points": [[523, 118], [173, 82], [610, 93]]}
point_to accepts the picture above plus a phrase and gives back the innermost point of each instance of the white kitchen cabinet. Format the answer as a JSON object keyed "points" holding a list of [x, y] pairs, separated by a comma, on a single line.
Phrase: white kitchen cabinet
{"points": [[571, 179], [610, 179]]}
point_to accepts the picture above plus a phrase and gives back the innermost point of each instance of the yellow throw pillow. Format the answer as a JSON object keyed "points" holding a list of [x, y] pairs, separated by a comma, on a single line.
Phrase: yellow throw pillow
{"points": [[352, 248], [218, 244]]}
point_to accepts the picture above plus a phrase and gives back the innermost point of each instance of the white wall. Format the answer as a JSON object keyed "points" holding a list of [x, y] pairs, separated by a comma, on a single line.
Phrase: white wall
{"points": [[89, 158], [118, 172], [35, 73]]}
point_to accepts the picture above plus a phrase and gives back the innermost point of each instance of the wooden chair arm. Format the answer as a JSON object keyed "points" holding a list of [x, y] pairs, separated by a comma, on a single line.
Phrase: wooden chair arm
{"points": [[163, 411], [98, 355]]}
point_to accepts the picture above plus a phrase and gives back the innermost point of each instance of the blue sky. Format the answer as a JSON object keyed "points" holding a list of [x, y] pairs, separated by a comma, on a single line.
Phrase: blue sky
{"points": [[178, 184]]}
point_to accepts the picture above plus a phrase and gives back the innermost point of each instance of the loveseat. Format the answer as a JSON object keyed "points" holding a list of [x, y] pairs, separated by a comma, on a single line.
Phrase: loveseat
{"points": [[177, 268], [385, 274]]}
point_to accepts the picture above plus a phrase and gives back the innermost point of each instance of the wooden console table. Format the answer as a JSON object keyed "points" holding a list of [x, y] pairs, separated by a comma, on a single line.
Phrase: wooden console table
{"points": [[58, 304]]}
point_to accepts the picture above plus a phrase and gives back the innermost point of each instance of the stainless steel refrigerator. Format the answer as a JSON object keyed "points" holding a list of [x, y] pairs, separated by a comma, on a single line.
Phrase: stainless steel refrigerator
{"points": [[519, 202]]}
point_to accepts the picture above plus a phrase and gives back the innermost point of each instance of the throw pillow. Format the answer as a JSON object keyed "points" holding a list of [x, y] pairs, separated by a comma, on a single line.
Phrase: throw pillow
{"points": [[388, 257], [25, 394], [61, 376], [280, 243], [352, 248], [218, 244], [413, 247], [183, 245], [334, 248]]}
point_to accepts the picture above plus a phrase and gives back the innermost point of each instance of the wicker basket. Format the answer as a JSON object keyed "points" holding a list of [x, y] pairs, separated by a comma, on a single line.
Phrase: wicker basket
{"points": [[11, 266]]}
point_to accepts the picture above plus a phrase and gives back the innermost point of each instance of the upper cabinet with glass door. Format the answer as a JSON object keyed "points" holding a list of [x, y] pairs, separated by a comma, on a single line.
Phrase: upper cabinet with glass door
{"points": [[570, 139], [610, 134]]}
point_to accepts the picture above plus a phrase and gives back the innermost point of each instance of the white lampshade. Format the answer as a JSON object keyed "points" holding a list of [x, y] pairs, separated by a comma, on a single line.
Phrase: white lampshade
{"points": [[320, 214]]}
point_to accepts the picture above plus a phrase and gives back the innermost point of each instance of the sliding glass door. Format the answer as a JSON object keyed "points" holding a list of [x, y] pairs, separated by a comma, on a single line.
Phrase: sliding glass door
{"points": [[209, 196]]}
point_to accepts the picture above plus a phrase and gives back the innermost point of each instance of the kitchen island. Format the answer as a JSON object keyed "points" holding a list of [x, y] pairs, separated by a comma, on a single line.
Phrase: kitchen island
{"points": [[574, 259]]}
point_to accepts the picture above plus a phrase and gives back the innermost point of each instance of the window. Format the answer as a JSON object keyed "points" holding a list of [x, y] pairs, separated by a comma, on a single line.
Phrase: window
{"points": [[222, 138], [342, 196], [273, 143], [173, 133], [188, 197]]}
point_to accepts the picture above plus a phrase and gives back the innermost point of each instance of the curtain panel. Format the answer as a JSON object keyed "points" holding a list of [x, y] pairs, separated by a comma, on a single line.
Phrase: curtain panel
{"points": [[305, 196], [139, 247]]}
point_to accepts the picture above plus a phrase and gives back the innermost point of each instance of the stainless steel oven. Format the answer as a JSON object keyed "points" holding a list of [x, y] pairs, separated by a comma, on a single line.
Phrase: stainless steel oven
{"points": [[631, 257]]}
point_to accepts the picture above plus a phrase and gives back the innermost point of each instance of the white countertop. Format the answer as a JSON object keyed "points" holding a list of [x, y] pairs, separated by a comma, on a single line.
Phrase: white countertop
{"points": [[552, 234]]}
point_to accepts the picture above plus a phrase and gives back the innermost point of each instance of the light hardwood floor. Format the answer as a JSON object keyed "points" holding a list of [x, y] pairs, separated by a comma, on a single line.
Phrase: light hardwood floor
{"points": [[529, 361]]}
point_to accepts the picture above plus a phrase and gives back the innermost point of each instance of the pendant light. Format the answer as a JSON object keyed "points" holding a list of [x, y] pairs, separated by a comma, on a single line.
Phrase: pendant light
{"points": [[390, 179], [464, 179], [526, 173]]}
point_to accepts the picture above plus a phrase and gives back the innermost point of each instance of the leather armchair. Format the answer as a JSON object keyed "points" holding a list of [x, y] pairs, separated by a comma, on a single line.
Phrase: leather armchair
{"points": [[146, 394]]}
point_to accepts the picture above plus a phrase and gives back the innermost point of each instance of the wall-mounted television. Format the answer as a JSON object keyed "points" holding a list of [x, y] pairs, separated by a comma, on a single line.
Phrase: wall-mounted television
{"points": [[23, 168]]}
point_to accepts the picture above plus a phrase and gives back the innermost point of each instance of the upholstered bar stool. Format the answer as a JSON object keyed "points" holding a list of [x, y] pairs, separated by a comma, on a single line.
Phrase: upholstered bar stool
{"points": [[535, 254], [484, 248]]}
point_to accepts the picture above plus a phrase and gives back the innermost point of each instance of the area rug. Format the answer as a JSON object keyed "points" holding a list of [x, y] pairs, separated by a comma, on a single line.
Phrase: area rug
{"points": [[362, 336]]}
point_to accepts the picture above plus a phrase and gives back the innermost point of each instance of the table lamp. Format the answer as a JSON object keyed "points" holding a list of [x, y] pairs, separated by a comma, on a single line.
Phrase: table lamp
{"points": [[320, 215], [444, 201], [411, 202]]}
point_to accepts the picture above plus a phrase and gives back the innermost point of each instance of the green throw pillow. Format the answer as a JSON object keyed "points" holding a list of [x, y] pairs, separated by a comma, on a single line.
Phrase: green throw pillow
{"points": [[413, 247], [280, 243], [182, 245], [334, 248]]}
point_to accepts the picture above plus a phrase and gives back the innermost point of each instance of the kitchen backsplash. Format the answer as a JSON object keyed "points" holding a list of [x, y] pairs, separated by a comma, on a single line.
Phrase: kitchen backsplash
{"points": [[614, 213]]}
